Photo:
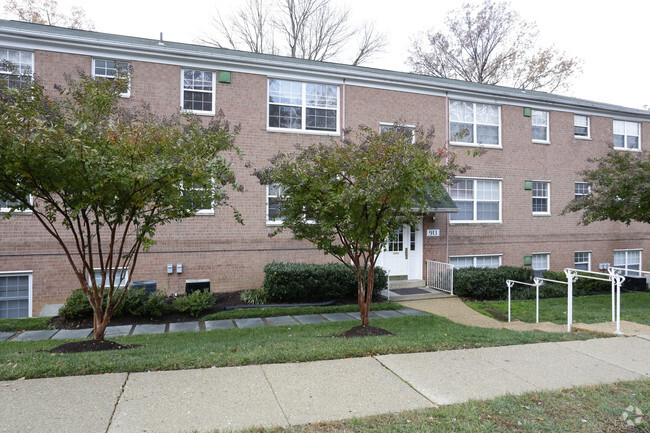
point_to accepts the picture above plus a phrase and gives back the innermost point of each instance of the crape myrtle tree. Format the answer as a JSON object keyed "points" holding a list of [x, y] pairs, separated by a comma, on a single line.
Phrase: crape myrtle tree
{"points": [[101, 178], [619, 189], [349, 196]]}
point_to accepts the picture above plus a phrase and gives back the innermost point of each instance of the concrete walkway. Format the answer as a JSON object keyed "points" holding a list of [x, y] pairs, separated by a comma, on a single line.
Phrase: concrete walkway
{"points": [[454, 309], [234, 398]]}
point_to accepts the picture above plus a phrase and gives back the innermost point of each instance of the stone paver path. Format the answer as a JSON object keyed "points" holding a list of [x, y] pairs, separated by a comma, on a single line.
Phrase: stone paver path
{"points": [[208, 325]]}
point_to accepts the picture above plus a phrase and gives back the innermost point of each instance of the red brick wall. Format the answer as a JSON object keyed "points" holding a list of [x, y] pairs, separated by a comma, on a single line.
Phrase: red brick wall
{"points": [[232, 256]]}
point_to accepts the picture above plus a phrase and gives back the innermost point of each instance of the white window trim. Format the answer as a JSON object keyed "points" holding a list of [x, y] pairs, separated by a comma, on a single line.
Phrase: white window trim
{"points": [[581, 195], [588, 259], [548, 261], [388, 124], [32, 73], [547, 140], [126, 94], [19, 212], [475, 256], [628, 250], [626, 148], [304, 129], [580, 137], [126, 275], [475, 143], [270, 222], [202, 211], [214, 92], [499, 221], [548, 198], [29, 274]]}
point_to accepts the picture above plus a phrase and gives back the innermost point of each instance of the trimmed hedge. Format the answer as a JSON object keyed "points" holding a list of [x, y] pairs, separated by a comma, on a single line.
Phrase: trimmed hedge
{"points": [[302, 282], [490, 284], [195, 303]]}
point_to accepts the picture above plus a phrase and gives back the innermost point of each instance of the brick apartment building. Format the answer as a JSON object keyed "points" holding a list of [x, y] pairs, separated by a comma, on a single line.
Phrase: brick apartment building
{"points": [[509, 200]]}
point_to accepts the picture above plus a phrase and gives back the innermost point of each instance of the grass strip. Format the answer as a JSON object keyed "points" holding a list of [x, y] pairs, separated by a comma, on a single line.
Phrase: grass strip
{"points": [[635, 307], [593, 409], [26, 324], [264, 345], [295, 311]]}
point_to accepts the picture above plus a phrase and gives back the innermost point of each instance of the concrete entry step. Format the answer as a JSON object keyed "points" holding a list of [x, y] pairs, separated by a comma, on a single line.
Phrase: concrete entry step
{"points": [[406, 284], [412, 293]]}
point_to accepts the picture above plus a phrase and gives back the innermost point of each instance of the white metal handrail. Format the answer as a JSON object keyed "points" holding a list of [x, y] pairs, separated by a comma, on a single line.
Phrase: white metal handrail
{"points": [[539, 281], [511, 283], [616, 280], [440, 276]]}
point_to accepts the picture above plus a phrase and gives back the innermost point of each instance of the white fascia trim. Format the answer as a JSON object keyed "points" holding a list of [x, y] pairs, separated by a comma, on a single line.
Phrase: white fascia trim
{"points": [[31, 40], [16, 272], [541, 253], [479, 178], [629, 249]]}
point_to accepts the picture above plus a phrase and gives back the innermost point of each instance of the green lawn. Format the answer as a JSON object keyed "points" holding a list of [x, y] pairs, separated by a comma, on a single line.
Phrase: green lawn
{"points": [[593, 409], [635, 307], [273, 344], [27, 324], [294, 311]]}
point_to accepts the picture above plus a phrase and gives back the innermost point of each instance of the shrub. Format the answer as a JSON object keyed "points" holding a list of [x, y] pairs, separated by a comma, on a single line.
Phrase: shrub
{"points": [[489, 283], [139, 303], [302, 282], [195, 303], [76, 306], [254, 296]]}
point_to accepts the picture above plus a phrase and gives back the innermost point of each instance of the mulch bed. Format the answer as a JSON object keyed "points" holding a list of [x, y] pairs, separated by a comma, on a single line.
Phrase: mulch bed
{"points": [[90, 346], [364, 331]]}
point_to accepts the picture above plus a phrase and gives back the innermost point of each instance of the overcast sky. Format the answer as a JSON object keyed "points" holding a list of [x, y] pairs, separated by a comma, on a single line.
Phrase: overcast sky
{"points": [[610, 37]]}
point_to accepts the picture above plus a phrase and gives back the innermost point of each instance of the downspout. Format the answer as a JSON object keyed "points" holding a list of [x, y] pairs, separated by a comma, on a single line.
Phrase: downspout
{"points": [[448, 217], [343, 110]]}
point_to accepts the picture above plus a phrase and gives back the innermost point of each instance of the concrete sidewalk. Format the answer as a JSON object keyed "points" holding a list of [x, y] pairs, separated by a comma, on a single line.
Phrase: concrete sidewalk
{"points": [[235, 398]]}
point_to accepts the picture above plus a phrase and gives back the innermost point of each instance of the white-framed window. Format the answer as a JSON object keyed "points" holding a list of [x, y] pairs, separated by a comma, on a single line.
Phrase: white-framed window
{"points": [[582, 260], [5, 206], [121, 277], [480, 261], [197, 95], [108, 69], [479, 200], [303, 107], [273, 203], [581, 127], [15, 294], [541, 263], [630, 260], [581, 189], [541, 198], [540, 129], [471, 123], [407, 130], [627, 135], [16, 67], [194, 202]]}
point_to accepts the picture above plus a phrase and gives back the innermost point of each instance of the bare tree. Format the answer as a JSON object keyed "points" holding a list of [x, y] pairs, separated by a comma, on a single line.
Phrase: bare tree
{"points": [[308, 29], [47, 12], [490, 43]]}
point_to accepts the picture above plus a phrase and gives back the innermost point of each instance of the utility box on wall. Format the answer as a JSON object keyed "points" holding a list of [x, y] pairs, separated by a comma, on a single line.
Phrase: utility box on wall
{"points": [[528, 260]]}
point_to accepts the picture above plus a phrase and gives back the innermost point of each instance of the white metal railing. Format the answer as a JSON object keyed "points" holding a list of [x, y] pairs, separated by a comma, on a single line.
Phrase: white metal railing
{"points": [[440, 276], [572, 276], [616, 280], [511, 283]]}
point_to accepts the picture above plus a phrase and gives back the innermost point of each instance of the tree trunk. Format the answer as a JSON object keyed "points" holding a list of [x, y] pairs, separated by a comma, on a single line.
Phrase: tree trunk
{"points": [[365, 301], [99, 325]]}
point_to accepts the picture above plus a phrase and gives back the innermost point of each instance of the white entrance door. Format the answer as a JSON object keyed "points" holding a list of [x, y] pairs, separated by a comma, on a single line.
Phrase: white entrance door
{"points": [[403, 254]]}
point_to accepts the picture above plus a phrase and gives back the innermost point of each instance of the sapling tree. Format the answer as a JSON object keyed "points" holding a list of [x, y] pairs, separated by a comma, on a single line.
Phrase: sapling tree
{"points": [[349, 196], [101, 178]]}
